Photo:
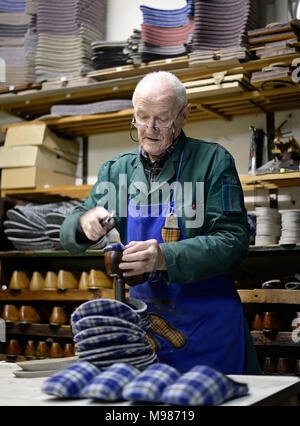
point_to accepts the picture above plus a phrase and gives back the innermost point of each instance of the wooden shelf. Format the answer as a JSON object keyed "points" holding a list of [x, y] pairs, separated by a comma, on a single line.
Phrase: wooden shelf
{"points": [[270, 181], [55, 295], [290, 297], [276, 248], [56, 193], [56, 253], [116, 83], [282, 338], [39, 330]]}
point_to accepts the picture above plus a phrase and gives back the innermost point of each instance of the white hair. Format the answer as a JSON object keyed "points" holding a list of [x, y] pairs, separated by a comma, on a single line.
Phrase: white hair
{"points": [[157, 77]]}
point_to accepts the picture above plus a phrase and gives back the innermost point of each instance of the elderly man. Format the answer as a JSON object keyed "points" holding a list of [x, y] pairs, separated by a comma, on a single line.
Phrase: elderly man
{"points": [[184, 225]]}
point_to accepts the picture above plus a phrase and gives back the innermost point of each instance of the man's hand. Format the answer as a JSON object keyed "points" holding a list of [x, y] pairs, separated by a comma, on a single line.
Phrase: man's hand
{"points": [[142, 256], [90, 223]]}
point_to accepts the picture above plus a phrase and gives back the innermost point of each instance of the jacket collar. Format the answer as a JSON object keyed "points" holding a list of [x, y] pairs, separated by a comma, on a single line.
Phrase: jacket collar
{"points": [[138, 178]]}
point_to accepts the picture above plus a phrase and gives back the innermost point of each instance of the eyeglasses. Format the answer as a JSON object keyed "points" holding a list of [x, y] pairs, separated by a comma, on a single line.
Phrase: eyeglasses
{"points": [[135, 126]]}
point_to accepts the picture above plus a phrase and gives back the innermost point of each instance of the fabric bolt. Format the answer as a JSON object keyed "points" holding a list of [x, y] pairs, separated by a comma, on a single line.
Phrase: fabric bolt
{"points": [[202, 385], [108, 385], [149, 385], [69, 382]]}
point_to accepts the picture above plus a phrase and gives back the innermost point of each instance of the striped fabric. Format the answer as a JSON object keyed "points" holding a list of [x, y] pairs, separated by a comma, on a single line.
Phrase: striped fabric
{"points": [[108, 385], [202, 385], [222, 24], [166, 33], [167, 36], [12, 5], [69, 382], [167, 18], [149, 385]]}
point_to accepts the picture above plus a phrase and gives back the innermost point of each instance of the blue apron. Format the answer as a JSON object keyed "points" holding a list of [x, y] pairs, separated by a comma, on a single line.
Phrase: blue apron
{"points": [[208, 312]]}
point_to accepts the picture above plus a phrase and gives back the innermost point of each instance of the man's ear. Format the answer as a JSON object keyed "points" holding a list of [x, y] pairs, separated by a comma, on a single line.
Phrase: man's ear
{"points": [[185, 114]]}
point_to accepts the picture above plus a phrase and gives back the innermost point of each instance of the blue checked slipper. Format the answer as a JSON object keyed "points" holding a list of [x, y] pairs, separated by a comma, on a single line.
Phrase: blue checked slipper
{"points": [[108, 385], [202, 385], [149, 385], [69, 382]]}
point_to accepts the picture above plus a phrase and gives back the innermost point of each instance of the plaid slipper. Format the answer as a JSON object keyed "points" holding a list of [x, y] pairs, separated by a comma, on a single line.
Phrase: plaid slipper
{"points": [[202, 385], [109, 384], [69, 382], [106, 307], [149, 385]]}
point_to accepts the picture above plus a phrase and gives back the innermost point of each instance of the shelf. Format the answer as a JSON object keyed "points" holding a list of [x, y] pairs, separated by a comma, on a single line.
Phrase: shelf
{"points": [[282, 338], [270, 181], [290, 297], [116, 83], [55, 295], [56, 193], [56, 253], [276, 248], [39, 330], [50, 194]]}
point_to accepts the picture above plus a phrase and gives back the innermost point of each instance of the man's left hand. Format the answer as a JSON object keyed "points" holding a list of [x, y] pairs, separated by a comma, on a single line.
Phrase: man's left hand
{"points": [[142, 256]]}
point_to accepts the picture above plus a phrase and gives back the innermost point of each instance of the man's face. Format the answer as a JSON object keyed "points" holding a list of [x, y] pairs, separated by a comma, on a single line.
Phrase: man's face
{"points": [[157, 108]]}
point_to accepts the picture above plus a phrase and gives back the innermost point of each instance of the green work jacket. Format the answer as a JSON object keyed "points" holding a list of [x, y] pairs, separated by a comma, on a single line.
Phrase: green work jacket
{"points": [[209, 203]]}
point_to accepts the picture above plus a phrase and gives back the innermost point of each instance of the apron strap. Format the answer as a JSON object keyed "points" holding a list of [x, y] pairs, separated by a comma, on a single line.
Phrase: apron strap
{"points": [[176, 183]]}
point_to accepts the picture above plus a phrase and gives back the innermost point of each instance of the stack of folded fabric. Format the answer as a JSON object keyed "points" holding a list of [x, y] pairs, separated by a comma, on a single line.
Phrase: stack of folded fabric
{"points": [[166, 33], [132, 48], [108, 54], [54, 219], [37, 227], [290, 227], [65, 33], [158, 383], [14, 24], [108, 331], [220, 32], [92, 108], [267, 226]]}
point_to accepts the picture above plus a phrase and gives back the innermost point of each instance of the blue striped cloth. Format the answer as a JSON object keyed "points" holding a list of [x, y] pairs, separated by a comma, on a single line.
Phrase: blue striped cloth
{"points": [[202, 385], [108, 385], [167, 18], [69, 382], [12, 6], [149, 385]]}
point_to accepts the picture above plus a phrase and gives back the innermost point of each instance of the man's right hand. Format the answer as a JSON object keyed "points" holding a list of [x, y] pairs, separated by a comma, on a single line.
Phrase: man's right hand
{"points": [[91, 226]]}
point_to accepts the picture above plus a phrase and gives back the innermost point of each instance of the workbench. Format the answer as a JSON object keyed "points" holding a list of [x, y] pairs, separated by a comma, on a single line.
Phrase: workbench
{"points": [[263, 390]]}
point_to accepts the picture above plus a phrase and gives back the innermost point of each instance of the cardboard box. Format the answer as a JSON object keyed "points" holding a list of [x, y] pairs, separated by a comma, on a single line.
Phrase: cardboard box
{"points": [[26, 156], [31, 177], [39, 134]]}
